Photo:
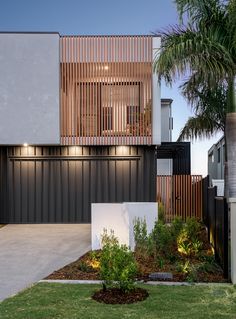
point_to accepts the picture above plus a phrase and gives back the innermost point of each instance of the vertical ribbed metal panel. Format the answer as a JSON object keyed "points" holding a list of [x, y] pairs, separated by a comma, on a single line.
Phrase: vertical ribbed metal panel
{"points": [[106, 90], [3, 183], [58, 184]]}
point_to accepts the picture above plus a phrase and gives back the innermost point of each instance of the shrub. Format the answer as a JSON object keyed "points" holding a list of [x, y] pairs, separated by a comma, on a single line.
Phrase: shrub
{"points": [[143, 241], [161, 212], [188, 241], [117, 264], [176, 227], [190, 270], [162, 238], [140, 234]]}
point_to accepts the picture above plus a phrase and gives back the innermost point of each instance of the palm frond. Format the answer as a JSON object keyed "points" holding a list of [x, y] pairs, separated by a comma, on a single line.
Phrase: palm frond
{"points": [[186, 49], [198, 127]]}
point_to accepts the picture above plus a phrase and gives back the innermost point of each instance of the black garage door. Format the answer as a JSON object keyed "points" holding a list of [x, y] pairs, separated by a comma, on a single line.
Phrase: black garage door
{"points": [[58, 184]]}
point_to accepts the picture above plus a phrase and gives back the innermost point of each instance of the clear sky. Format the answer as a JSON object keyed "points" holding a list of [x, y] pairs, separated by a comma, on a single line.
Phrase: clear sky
{"points": [[105, 17]]}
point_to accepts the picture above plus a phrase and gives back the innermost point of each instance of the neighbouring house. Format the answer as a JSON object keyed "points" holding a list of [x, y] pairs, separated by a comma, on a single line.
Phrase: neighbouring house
{"points": [[81, 122], [216, 162]]}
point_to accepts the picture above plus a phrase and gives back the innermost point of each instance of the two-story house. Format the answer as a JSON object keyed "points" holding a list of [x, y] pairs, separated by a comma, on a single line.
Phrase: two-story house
{"points": [[81, 121]]}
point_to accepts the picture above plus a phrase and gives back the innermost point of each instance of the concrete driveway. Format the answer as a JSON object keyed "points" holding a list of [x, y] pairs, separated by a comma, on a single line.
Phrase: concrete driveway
{"points": [[28, 253]]}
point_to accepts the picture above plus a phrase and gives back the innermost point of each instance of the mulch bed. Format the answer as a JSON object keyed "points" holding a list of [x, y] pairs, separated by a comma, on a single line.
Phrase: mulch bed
{"points": [[116, 296], [146, 266], [85, 269]]}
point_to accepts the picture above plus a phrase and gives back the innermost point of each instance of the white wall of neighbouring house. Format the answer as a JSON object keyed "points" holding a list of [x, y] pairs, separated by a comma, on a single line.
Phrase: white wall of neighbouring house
{"points": [[165, 166], [29, 88]]}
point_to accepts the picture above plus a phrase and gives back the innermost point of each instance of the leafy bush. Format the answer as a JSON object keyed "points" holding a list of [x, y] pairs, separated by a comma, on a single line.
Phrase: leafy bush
{"points": [[140, 234], [118, 267], [190, 270], [83, 266], [161, 212], [189, 241], [162, 240], [176, 227], [193, 228]]}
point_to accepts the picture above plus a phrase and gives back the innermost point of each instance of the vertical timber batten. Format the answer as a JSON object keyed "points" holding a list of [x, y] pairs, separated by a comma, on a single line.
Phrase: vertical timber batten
{"points": [[106, 90]]}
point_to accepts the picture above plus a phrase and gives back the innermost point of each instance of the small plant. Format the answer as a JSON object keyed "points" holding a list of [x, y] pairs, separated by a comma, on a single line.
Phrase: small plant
{"points": [[193, 228], [118, 267], [83, 266], [188, 240], [108, 238], [188, 269], [176, 227], [162, 239], [161, 212], [94, 259], [143, 241], [140, 233]]}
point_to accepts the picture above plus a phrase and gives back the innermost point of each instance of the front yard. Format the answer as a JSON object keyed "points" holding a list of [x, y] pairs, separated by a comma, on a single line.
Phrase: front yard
{"points": [[68, 301]]}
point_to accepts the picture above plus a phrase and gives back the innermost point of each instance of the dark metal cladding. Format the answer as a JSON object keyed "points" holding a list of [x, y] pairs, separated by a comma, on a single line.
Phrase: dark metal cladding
{"points": [[180, 153], [54, 184], [3, 183]]}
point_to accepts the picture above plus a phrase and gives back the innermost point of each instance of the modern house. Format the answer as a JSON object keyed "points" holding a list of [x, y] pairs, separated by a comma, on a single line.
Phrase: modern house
{"points": [[216, 162], [81, 121]]}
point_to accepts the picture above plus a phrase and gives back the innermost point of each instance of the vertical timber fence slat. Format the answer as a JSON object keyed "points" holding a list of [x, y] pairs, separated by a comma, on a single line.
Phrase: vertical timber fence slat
{"points": [[181, 196]]}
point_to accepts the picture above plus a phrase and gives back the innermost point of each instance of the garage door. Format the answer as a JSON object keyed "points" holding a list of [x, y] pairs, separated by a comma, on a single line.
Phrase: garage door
{"points": [[57, 185]]}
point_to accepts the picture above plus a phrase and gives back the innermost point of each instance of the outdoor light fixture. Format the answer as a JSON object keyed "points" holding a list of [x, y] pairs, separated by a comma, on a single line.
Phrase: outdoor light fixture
{"points": [[106, 67], [25, 144]]}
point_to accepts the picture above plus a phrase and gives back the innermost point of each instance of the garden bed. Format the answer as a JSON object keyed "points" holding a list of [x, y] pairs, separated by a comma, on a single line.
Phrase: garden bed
{"points": [[146, 266], [181, 250]]}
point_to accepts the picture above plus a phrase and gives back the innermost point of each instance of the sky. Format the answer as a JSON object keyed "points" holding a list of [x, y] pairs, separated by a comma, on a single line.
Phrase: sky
{"points": [[108, 17]]}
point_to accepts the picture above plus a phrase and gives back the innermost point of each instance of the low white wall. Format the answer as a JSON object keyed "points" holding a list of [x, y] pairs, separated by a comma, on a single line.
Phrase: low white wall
{"points": [[232, 210], [120, 218]]}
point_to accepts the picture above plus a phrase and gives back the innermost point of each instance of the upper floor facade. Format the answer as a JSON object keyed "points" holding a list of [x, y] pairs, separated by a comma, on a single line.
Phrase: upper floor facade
{"points": [[80, 90]]}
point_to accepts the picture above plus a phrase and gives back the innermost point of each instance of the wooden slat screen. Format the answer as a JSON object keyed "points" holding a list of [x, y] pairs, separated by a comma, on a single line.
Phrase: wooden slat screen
{"points": [[181, 196], [106, 90]]}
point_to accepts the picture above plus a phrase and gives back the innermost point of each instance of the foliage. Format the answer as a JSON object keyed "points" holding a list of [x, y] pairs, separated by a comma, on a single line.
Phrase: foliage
{"points": [[140, 235], [109, 239], [161, 212], [83, 266], [163, 241], [188, 240], [117, 264], [203, 48]]}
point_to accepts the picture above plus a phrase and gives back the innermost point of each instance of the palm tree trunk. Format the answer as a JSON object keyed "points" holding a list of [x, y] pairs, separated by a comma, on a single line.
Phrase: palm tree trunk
{"points": [[230, 140]]}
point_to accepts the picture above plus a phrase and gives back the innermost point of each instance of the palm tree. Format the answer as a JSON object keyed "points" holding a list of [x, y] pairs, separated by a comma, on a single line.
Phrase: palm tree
{"points": [[209, 108], [205, 48]]}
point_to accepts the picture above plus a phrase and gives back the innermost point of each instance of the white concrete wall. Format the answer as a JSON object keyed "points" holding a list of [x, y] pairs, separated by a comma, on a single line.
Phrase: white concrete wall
{"points": [[156, 98], [232, 212], [166, 117], [29, 88], [120, 217]]}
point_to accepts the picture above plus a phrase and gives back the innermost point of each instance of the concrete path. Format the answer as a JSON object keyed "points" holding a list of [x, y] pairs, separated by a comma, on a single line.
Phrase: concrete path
{"points": [[28, 253]]}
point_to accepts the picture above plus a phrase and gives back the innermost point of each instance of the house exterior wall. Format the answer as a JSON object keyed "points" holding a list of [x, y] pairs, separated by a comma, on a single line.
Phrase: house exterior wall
{"points": [[58, 184], [216, 160], [165, 166], [29, 88], [109, 94]]}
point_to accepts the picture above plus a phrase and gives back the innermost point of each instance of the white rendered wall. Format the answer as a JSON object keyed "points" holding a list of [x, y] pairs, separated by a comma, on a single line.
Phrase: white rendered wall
{"points": [[232, 212], [166, 118], [29, 88], [156, 98], [120, 218]]}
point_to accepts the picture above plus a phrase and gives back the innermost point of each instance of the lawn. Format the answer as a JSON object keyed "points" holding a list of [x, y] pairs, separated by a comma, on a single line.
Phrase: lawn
{"points": [[68, 301]]}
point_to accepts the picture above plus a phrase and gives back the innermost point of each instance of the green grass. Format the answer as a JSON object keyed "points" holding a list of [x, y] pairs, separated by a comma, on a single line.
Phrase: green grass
{"points": [[67, 301]]}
